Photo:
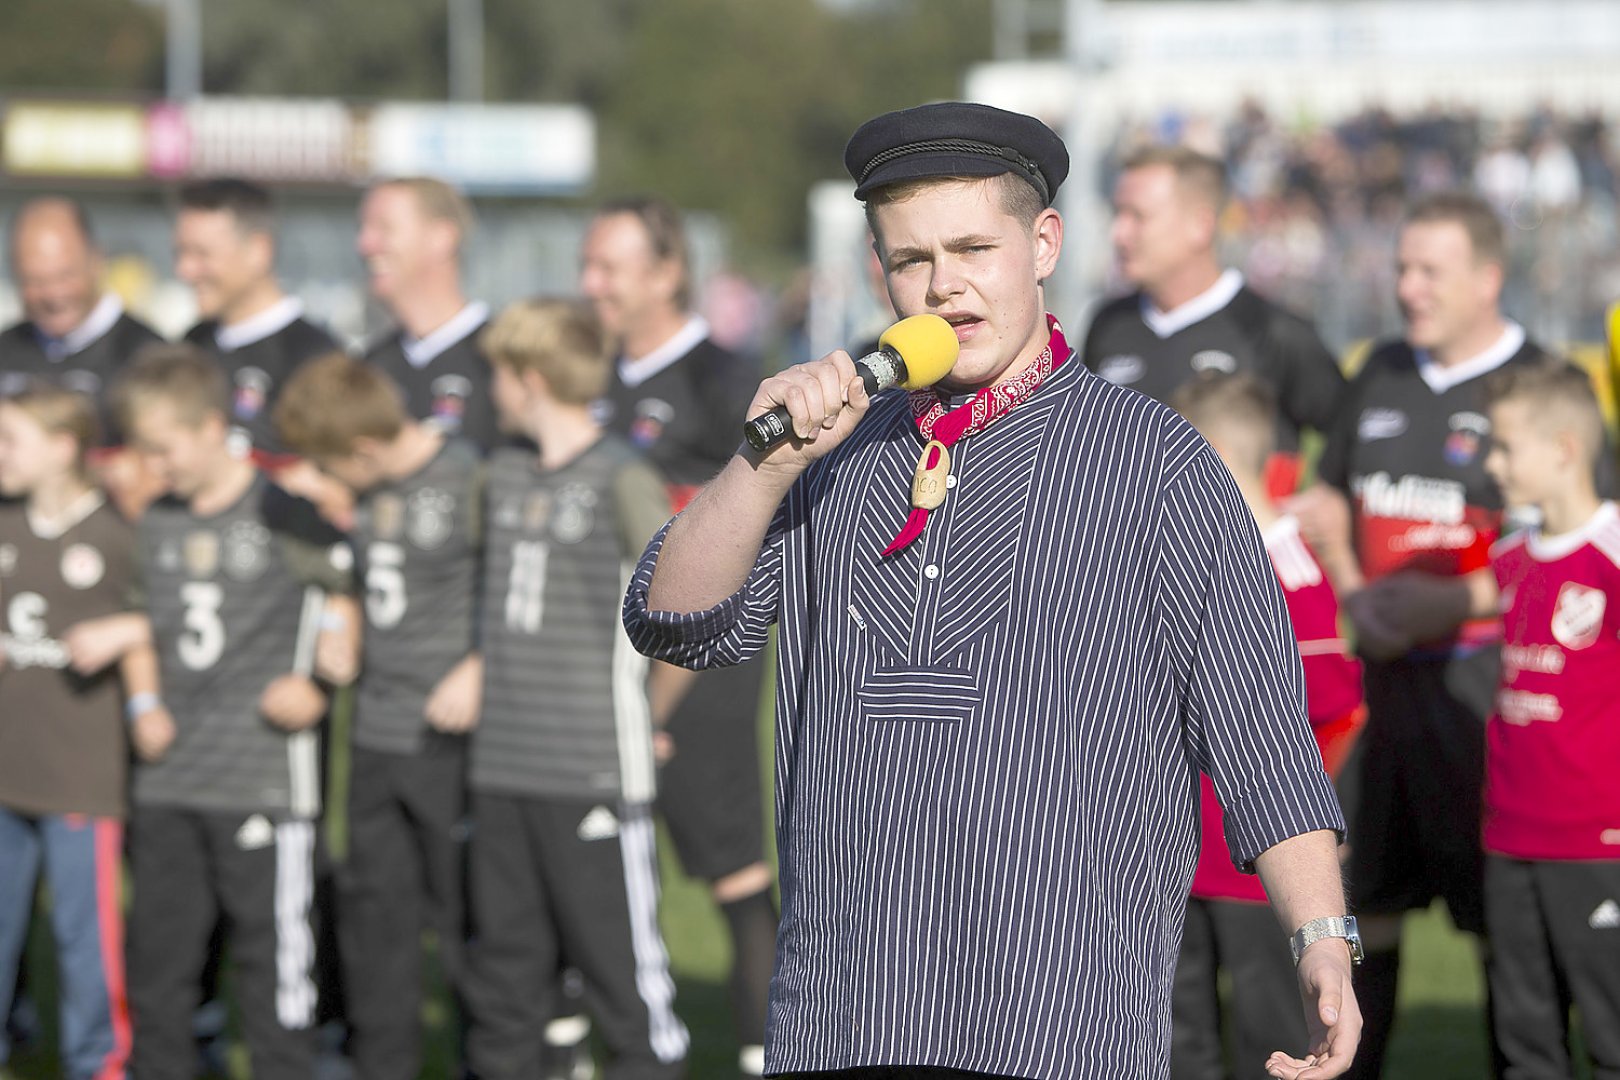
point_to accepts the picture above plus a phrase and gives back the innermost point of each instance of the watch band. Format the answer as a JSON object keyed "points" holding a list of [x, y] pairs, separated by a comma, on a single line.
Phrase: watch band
{"points": [[1332, 926]]}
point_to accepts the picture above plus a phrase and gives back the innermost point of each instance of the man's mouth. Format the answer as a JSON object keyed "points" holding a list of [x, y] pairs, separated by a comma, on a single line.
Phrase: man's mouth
{"points": [[965, 325]]}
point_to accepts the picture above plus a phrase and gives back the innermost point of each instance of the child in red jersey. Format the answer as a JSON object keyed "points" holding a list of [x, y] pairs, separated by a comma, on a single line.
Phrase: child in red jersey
{"points": [[1552, 788], [1229, 921]]}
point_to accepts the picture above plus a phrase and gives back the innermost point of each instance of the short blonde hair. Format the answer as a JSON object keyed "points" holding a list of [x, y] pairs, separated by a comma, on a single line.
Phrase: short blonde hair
{"points": [[562, 340], [1237, 408], [182, 375], [61, 412], [438, 201], [1196, 172], [333, 400]]}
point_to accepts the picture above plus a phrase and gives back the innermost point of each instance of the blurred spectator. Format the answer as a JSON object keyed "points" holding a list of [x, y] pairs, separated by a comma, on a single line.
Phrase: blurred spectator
{"points": [[1314, 205]]}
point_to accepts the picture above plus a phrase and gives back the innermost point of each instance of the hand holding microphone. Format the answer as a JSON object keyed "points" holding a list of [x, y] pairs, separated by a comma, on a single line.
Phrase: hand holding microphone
{"points": [[913, 353]]}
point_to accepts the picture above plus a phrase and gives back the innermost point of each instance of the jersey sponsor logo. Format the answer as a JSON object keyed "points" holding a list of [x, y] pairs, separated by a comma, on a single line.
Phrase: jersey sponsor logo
{"points": [[387, 517], [1536, 659], [1412, 498], [81, 382], [1214, 360], [252, 391], [599, 824], [1609, 836], [652, 417], [450, 394], [246, 550], [1378, 424], [1606, 916], [8, 559], [255, 834], [1122, 369], [1578, 616], [82, 566], [27, 641], [574, 514], [1522, 708], [429, 516], [202, 554]]}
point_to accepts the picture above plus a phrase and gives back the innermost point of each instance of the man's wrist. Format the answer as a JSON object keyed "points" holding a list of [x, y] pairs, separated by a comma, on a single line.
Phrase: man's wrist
{"points": [[1340, 928]]}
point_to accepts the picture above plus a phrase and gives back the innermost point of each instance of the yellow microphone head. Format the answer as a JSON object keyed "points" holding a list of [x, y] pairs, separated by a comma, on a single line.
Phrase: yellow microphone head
{"points": [[926, 344]]}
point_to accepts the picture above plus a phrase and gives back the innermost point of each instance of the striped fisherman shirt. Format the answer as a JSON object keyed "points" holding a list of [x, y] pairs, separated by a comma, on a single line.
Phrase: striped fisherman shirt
{"points": [[988, 744]]}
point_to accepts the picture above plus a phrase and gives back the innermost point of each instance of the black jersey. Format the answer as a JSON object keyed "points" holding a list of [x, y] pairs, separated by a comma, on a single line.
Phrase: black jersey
{"points": [[687, 418], [445, 377], [235, 601], [90, 369], [417, 542], [1409, 450], [257, 360], [1249, 334]]}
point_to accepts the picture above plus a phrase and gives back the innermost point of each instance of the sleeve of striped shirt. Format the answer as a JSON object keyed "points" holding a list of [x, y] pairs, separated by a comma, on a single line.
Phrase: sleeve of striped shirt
{"points": [[731, 632], [1242, 687]]}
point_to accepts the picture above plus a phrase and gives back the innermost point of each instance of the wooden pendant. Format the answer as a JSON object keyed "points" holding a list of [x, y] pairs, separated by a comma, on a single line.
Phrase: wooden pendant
{"points": [[928, 484]]}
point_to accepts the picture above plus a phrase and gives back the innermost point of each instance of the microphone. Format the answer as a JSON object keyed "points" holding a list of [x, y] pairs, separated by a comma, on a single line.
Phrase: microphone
{"points": [[913, 353]]}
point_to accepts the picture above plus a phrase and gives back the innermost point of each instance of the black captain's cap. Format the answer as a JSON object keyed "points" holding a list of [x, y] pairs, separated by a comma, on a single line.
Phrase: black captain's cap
{"points": [[955, 138]]}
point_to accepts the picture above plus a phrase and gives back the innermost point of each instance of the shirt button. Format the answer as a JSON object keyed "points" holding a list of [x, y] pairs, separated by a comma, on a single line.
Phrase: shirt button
{"points": [[930, 571], [950, 481]]}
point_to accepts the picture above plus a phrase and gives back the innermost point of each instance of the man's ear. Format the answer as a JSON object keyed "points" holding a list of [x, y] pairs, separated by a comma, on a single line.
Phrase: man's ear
{"points": [[1047, 233]]}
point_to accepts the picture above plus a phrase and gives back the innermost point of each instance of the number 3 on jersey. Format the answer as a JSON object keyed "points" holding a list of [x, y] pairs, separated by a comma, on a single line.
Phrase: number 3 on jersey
{"points": [[385, 584], [203, 641], [525, 589]]}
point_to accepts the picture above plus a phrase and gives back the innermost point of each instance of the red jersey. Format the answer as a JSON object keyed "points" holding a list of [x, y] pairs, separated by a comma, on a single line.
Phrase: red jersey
{"points": [[1552, 767], [1333, 699]]}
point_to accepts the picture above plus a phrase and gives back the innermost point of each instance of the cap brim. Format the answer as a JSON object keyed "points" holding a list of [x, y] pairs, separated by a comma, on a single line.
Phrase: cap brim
{"points": [[933, 165]]}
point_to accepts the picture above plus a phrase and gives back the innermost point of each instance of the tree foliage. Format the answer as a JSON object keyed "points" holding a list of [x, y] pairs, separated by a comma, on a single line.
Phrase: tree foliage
{"points": [[730, 106]]}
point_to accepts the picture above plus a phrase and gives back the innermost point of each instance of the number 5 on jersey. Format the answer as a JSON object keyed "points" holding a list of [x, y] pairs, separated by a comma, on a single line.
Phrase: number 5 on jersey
{"points": [[385, 584]]}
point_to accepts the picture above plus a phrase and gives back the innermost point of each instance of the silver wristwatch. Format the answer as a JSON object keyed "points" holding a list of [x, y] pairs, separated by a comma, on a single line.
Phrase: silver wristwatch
{"points": [[1332, 927]]}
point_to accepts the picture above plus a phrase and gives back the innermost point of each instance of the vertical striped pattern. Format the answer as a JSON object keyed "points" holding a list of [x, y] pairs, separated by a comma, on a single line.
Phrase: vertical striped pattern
{"points": [[653, 981], [295, 943], [988, 745]]}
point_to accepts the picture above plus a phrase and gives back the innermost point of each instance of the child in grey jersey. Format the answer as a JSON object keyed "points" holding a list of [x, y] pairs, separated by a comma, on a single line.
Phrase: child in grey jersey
{"points": [[562, 773]]}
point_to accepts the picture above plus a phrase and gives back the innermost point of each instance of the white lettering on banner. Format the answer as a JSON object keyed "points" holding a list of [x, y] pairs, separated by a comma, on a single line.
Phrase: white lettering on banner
{"points": [[1412, 498]]}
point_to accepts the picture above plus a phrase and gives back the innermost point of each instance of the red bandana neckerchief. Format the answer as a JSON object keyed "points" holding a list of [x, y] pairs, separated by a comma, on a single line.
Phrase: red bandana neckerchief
{"points": [[941, 429]]}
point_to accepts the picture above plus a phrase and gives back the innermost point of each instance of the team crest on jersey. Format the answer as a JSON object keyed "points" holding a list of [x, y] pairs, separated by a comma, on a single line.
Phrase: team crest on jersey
{"points": [[246, 550], [450, 394], [1578, 616], [429, 515], [1214, 360], [252, 391], [82, 566], [652, 416], [1123, 369], [1468, 431], [1378, 424], [574, 514], [387, 516], [202, 554], [8, 559]]}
